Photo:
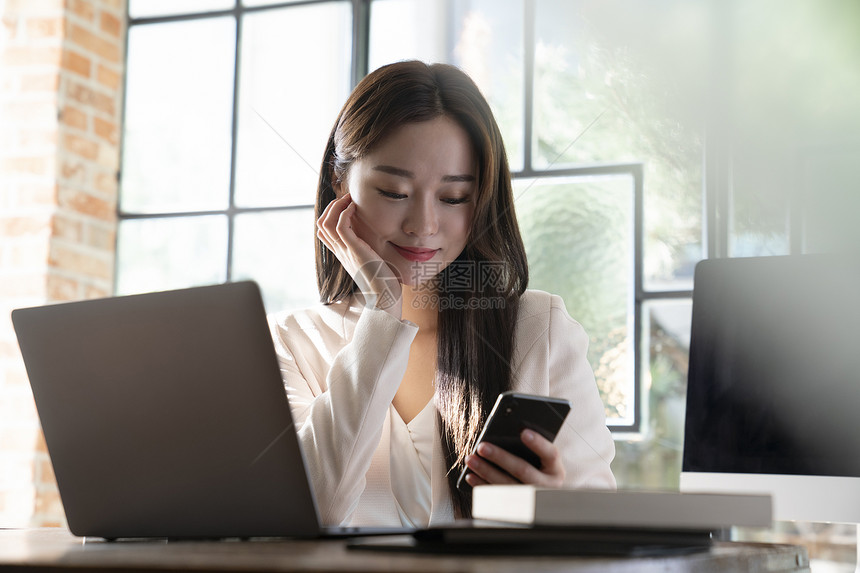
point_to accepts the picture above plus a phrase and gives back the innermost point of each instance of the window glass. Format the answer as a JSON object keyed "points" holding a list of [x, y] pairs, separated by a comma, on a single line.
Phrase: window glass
{"points": [[407, 30], [653, 459], [794, 125], [485, 40], [178, 125], [267, 2], [171, 252], [578, 234], [829, 199], [489, 47], [607, 89], [148, 8], [277, 251], [295, 76]]}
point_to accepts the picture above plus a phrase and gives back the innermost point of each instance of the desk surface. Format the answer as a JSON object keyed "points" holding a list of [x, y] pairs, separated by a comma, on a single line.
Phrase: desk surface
{"points": [[57, 550]]}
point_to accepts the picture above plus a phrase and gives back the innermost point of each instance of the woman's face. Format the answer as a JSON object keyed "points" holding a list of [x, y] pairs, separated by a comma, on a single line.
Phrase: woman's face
{"points": [[415, 196]]}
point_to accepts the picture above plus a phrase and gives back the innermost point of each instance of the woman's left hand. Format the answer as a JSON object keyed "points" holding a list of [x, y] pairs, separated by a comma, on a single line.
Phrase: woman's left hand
{"points": [[511, 469]]}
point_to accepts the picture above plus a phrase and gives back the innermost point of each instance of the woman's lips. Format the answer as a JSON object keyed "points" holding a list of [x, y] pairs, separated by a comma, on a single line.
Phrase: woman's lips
{"points": [[416, 254]]}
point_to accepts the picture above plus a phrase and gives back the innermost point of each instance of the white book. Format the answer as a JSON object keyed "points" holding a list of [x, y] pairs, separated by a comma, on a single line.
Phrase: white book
{"points": [[525, 504]]}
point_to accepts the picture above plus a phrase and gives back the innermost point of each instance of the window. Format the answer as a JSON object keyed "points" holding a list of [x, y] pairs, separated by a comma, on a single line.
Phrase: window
{"points": [[237, 145], [607, 179], [634, 153], [222, 139]]}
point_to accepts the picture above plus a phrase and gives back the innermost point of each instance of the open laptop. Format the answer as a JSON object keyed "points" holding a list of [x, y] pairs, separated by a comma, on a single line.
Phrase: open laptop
{"points": [[165, 416]]}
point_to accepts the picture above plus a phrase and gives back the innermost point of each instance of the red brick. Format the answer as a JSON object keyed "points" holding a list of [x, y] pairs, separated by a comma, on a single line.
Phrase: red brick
{"points": [[8, 349], [116, 6], [24, 284], [40, 445], [15, 440], [110, 24], [27, 165], [10, 23], [89, 97], [108, 77], [106, 183], [81, 146], [93, 291], [80, 262], [36, 195], [61, 289], [83, 9], [9, 84], [16, 377], [28, 255], [83, 38], [44, 470], [44, 28], [100, 237], [73, 171], [107, 130], [77, 63], [87, 204], [35, 139], [35, 7], [30, 112], [31, 56], [23, 226], [63, 227], [74, 117], [40, 82]]}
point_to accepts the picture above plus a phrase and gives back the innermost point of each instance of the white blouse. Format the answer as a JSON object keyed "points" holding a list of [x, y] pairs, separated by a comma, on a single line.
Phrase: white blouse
{"points": [[411, 463], [342, 365]]}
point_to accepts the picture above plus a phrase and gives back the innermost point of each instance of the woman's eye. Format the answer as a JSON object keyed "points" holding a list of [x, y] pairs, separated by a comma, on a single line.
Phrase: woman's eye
{"points": [[391, 195], [456, 200]]}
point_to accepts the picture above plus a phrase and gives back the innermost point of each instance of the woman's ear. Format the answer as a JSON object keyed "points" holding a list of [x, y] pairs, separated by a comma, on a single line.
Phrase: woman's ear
{"points": [[337, 185]]}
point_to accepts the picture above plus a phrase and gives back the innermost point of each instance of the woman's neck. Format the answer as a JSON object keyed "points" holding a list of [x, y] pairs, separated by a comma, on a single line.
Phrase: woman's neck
{"points": [[421, 307]]}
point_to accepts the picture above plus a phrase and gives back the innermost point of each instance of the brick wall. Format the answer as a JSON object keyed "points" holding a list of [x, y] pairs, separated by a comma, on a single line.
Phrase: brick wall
{"points": [[61, 70]]}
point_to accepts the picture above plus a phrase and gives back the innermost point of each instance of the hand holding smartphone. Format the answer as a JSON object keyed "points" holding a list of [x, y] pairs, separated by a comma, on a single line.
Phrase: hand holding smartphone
{"points": [[515, 412]]}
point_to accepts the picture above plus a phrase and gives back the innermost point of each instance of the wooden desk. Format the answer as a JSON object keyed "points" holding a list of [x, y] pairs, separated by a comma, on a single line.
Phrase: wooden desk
{"points": [[56, 550]]}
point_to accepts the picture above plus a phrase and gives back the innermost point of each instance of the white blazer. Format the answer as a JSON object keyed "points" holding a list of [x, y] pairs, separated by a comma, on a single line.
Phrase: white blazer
{"points": [[342, 365]]}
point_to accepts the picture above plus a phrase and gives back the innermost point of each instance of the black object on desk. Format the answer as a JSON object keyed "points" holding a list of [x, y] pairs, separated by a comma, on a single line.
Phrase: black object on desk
{"points": [[507, 539]]}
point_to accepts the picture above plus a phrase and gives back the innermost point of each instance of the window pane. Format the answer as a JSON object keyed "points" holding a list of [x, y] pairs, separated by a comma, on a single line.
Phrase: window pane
{"points": [[407, 30], [578, 235], [267, 2], [829, 199], [178, 116], [146, 8], [486, 41], [608, 89], [489, 47], [277, 250], [758, 221], [792, 117], [653, 460], [295, 77], [177, 252]]}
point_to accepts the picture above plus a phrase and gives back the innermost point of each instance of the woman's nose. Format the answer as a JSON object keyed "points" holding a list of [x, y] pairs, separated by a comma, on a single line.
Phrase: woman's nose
{"points": [[421, 219]]}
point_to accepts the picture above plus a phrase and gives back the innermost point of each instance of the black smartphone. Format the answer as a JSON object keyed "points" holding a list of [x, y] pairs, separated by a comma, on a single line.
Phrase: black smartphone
{"points": [[515, 412]]}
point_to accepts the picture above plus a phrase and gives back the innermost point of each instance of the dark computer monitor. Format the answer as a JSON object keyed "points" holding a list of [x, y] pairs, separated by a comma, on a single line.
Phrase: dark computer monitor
{"points": [[773, 396]]}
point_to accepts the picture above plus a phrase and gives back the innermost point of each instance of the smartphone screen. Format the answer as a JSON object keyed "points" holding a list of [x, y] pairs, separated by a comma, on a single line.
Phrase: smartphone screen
{"points": [[515, 412]]}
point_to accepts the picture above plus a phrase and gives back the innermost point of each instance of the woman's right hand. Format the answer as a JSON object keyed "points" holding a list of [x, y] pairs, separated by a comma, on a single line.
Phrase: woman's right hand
{"points": [[377, 282]]}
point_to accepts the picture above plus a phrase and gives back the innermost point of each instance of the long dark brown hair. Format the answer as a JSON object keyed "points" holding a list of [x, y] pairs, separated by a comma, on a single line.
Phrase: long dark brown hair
{"points": [[475, 332]]}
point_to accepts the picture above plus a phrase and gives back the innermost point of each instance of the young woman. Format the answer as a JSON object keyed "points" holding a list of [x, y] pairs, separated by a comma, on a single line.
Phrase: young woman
{"points": [[425, 316]]}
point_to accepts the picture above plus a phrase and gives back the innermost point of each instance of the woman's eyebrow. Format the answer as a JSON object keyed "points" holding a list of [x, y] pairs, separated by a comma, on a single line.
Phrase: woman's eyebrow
{"points": [[409, 175], [395, 171]]}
